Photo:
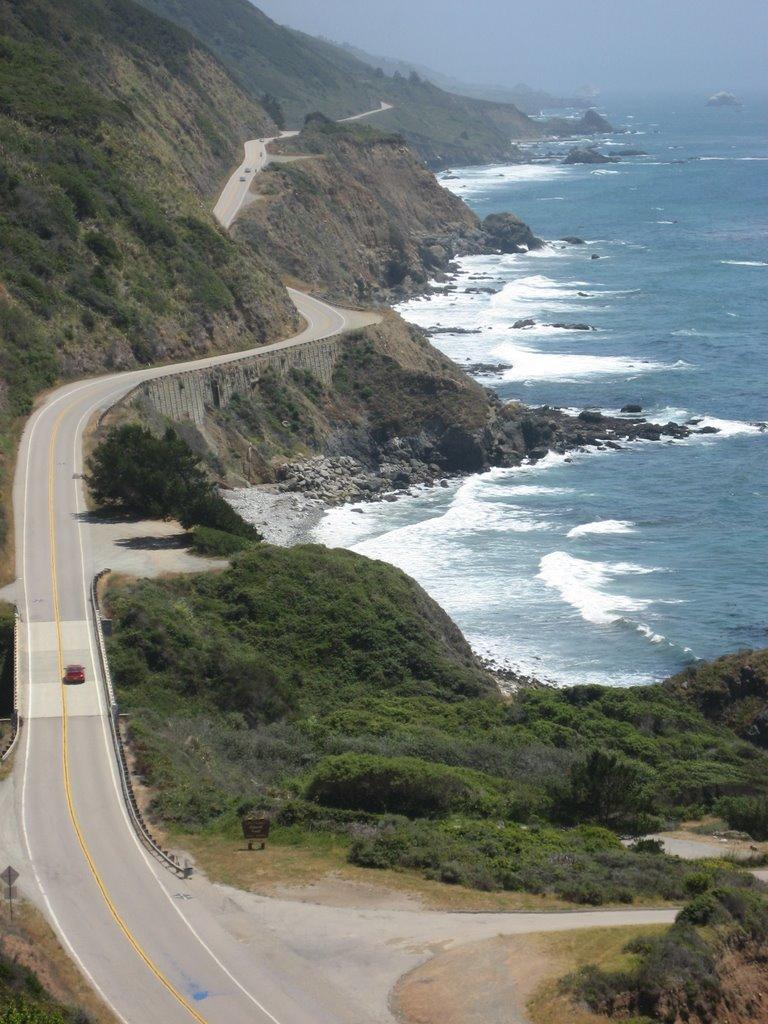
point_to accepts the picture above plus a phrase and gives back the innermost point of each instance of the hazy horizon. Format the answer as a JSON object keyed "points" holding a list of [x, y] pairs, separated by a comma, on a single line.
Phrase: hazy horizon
{"points": [[693, 46]]}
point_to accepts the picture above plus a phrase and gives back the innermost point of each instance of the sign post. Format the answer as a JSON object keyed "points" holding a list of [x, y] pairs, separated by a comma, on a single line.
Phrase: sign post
{"points": [[255, 830], [9, 877]]}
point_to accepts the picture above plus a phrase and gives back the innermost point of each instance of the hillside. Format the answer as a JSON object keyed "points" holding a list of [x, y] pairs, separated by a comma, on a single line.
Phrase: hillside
{"points": [[117, 129], [524, 97], [351, 209], [307, 74], [329, 690]]}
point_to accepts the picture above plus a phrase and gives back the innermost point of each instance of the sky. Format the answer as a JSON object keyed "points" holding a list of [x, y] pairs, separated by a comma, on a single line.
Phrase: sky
{"points": [[680, 46]]}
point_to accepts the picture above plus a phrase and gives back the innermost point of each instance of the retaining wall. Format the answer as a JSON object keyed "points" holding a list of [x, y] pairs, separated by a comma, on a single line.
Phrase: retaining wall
{"points": [[186, 395]]}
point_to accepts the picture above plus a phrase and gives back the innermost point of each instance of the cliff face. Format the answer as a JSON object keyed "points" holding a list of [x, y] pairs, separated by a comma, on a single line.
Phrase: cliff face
{"points": [[351, 210]]}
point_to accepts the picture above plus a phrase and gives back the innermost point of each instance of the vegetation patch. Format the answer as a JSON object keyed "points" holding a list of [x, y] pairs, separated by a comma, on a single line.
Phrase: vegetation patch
{"points": [[332, 693], [708, 966], [134, 471]]}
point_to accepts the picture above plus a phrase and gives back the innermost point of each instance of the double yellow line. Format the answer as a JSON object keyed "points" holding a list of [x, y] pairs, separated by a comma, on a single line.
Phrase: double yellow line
{"points": [[65, 744]]}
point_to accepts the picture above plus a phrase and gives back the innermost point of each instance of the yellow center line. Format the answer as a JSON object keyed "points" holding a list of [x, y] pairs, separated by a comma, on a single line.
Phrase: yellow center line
{"points": [[65, 744]]}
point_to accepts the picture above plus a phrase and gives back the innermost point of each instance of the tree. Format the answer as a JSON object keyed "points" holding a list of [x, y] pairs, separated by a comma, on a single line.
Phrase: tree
{"points": [[607, 789], [159, 477], [274, 108], [147, 475]]}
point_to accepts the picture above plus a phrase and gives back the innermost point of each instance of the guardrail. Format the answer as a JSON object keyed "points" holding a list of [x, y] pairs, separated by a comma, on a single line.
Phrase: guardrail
{"points": [[168, 859], [15, 717]]}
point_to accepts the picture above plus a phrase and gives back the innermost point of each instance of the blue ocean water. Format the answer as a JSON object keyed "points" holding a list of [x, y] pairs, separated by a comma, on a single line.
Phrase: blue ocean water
{"points": [[613, 567]]}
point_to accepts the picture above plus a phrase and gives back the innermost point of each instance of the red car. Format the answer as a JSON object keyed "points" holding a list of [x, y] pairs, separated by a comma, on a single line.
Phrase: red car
{"points": [[74, 674]]}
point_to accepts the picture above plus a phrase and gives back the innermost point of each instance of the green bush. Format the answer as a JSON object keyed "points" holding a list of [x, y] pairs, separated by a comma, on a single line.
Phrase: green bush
{"points": [[746, 813], [208, 541], [405, 785], [683, 974]]}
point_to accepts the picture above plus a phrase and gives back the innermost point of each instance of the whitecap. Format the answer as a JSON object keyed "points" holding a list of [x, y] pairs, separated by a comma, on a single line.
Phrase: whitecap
{"points": [[579, 583], [745, 263], [729, 428], [528, 364], [602, 526]]}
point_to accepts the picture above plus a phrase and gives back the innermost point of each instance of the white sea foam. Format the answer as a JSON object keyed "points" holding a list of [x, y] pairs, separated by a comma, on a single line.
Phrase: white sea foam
{"points": [[729, 428], [527, 364], [745, 263], [580, 582], [602, 526], [605, 171]]}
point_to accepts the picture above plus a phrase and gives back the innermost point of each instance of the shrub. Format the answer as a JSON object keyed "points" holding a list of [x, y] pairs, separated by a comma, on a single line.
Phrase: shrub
{"points": [[208, 541], [746, 813], [405, 785], [683, 973]]}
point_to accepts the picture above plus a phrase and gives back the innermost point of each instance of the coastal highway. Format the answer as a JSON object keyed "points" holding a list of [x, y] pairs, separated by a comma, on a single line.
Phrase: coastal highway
{"points": [[155, 948], [255, 159], [142, 937]]}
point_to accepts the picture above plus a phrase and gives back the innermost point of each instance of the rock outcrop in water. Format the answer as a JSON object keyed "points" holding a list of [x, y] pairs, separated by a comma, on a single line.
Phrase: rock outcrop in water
{"points": [[589, 156], [723, 99]]}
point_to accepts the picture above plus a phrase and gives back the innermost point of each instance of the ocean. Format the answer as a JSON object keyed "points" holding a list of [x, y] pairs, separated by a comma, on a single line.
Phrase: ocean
{"points": [[610, 567]]}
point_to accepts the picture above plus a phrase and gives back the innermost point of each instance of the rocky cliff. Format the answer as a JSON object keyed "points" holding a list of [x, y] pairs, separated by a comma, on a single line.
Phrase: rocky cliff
{"points": [[352, 211]]}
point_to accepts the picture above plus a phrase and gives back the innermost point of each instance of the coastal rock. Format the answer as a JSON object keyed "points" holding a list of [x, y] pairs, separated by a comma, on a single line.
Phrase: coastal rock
{"points": [[573, 327], [590, 416], [589, 156], [723, 99], [508, 234], [594, 122], [527, 321], [595, 256], [632, 407], [573, 240]]}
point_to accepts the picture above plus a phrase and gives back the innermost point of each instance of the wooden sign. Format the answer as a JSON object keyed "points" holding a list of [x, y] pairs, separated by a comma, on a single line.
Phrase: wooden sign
{"points": [[255, 830]]}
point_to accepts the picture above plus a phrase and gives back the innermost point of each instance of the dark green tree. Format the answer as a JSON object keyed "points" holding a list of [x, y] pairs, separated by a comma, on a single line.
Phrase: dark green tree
{"points": [[274, 108], [159, 477], [607, 789]]}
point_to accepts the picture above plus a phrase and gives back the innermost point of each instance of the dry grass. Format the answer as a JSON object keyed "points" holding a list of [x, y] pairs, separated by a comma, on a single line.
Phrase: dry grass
{"points": [[29, 939], [321, 873], [566, 952], [509, 979]]}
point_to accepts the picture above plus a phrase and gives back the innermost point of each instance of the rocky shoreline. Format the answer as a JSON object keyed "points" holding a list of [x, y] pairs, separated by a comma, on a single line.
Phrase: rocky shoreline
{"points": [[286, 512]]}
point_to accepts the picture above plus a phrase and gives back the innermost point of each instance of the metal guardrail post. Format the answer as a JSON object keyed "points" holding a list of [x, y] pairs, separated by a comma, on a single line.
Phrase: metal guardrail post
{"points": [[169, 860]]}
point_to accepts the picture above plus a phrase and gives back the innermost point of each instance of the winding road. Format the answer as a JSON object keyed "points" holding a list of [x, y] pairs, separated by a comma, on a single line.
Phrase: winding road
{"points": [[155, 948]]}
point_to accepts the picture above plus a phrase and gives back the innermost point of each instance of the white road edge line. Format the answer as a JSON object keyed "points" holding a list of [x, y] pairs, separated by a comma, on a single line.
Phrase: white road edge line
{"points": [[77, 455], [28, 738]]}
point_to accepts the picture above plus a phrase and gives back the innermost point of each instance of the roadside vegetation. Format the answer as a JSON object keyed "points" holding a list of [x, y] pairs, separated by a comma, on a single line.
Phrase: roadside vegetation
{"points": [[330, 692], [707, 967], [39, 984], [134, 471]]}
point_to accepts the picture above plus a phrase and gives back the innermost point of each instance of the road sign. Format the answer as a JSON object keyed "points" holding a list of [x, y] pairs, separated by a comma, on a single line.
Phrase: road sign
{"points": [[255, 829], [10, 875]]}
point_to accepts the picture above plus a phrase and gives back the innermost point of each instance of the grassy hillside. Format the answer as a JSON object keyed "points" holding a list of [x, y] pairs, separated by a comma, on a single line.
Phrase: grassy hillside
{"points": [[116, 131], [307, 74], [329, 690]]}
